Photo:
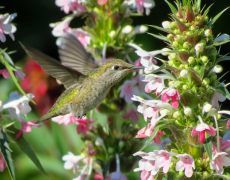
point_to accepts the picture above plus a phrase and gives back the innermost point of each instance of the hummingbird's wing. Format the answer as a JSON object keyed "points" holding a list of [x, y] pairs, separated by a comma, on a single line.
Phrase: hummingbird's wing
{"points": [[74, 55], [65, 75]]}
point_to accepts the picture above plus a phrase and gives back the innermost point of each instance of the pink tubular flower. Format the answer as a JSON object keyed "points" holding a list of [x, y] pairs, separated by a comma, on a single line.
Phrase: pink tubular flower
{"points": [[186, 163], [5, 73], [145, 132], [228, 124], [26, 127], [81, 35], [83, 126], [2, 163], [201, 129], [132, 115], [152, 162], [6, 27], [65, 119], [219, 160], [128, 90], [163, 160], [70, 5], [154, 84], [171, 94], [60, 28], [101, 2]]}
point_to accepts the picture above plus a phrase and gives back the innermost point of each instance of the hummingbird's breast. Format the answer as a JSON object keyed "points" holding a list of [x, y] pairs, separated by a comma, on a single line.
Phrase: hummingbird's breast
{"points": [[91, 94]]}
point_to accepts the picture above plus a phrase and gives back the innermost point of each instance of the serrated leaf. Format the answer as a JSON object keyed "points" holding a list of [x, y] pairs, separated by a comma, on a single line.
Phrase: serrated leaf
{"points": [[101, 119], [6, 152], [26, 148], [172, 7], [219, 15], [208, 149], [161, 37]]}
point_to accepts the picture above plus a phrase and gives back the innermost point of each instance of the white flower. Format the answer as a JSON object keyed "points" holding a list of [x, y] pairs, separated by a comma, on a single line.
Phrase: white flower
{"points": [[141, 29], [127, 29], [187, 111], [71, 161], [17, 105], [217, 69], [6, 27], [166, 24], [184, 73]]}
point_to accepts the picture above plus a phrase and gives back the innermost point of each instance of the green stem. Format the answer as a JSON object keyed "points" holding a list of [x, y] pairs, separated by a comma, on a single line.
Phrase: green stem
{"points": [[217, 134]]}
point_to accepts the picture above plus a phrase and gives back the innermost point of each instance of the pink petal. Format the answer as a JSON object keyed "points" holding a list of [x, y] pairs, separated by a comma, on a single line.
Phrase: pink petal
{"points": [[188, 171], [202, 136], [228, 124], [5, 73], [175, 104], [179, 166], [194, 132], [211, 131]]}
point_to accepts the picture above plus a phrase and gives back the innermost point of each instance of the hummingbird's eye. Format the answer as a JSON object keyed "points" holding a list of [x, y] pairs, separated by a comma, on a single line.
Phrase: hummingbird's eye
{"points": [[116, 67]]}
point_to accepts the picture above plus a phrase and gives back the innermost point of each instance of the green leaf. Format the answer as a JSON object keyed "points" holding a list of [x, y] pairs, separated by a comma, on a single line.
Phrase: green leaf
{"points": [[198, 5], [208, 149], [6, 152], [159, 28], [218, 15], [26, 148], [101, 119], [161, 37], [207, 10], [223, 58], [172, 7], [5, 58]]}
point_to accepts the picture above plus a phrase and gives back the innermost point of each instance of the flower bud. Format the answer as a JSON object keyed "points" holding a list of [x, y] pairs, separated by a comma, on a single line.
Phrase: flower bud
{"points": [[191, 60], [187, 111], [184, 73], [99, 142], [166, 24], [112, 34], [199, 48], [204, 59], [217, 69], [127, 29], [208, 32], [176, 114], [207, 107], [141, 29], [172, 56]]}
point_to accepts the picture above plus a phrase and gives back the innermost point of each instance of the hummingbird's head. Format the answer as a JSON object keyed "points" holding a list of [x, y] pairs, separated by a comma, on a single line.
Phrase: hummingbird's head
{"points": [[113, 71]]}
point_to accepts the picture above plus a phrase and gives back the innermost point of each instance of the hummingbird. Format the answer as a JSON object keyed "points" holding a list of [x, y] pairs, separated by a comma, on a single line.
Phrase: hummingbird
{"points": [[86, 83]]}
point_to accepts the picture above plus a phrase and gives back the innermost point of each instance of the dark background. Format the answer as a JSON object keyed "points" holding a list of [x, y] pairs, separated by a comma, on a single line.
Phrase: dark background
{"points": [[34, 17]]}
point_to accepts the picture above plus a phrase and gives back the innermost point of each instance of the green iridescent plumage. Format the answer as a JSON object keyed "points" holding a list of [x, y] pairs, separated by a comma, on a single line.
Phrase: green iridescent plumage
{"points": [[86, 83]]}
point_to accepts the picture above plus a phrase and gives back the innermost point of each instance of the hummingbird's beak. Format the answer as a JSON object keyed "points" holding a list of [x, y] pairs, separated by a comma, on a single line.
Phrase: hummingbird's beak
{"points": [[135, 68]]}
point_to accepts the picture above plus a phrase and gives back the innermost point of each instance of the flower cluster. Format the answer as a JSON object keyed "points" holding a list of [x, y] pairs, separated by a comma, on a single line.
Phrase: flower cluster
{"points": [[183, 97], [107, 24], [14, 110]]}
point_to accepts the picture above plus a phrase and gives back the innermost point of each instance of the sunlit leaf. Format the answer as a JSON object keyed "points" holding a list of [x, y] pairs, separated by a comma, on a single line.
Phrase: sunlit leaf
{"points": [[172, 7], [208, 149], [27, 149], [219, 15], [101, 119]]}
